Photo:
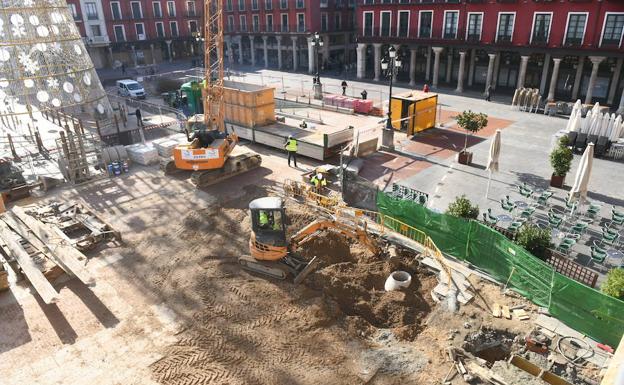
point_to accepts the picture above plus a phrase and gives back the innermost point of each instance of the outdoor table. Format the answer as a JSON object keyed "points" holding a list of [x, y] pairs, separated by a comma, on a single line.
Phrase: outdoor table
{"points": [[521, 204], [504, 218], [616, 257]]}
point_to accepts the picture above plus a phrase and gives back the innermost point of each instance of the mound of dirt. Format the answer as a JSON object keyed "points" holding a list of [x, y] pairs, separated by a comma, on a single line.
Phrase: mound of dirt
{"points": [[354, 278]]}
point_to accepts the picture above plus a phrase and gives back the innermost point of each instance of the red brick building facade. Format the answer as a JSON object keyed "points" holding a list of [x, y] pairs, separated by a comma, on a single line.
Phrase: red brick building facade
{"points": [[568, 49]]}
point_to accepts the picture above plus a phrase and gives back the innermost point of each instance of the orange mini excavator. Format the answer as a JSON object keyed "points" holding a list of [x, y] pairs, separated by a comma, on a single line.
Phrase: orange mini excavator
{"points": [[273, 255], [210, 153]]}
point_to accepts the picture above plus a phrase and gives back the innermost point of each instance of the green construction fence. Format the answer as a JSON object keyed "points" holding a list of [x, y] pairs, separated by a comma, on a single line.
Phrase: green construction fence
{"points": [[582, 308]]}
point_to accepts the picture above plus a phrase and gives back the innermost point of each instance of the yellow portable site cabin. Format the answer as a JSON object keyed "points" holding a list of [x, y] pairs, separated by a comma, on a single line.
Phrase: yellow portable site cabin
{"points": [[414, 111]]}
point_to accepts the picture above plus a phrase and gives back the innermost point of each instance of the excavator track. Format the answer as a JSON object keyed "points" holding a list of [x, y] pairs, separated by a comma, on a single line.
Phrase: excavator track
{"points": [[235, 165]]}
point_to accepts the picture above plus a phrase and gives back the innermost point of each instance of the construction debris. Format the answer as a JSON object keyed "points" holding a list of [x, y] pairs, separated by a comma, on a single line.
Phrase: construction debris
{"points": [[142, 154]]}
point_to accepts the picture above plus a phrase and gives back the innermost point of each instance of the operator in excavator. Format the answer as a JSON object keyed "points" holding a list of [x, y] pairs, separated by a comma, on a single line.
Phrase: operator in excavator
{"points": [[267, 221], [204, 137], [319, 182]]}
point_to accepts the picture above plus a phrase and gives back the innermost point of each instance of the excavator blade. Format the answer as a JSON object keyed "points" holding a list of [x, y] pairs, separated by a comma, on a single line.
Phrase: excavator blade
{"points": [[235, 165], [270, 269], [306, 270]]}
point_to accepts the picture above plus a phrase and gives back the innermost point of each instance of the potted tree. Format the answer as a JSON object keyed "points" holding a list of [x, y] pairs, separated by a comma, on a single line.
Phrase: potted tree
{"points": [[561, 161], [463, 208], [534, 240], [471, 122]]}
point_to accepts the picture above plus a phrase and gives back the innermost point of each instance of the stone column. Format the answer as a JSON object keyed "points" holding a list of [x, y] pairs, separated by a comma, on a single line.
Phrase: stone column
{"points": [[361, 60], [578, 77], [553, 79], [294, 49], [460, 73], [279, 51], [496, 71], [169, 50], [544, 73], [449, 65], [614, 81], [266, 51], [596, 60], [620, 109], [471, 68], [230, 53], [412, 67], [394, 74], [253, 50], [490, 70], [153, 54], [428, 67], [239, 42], [111, 58], [310, 55], [524, 60], [377, 63], [436, 65]]}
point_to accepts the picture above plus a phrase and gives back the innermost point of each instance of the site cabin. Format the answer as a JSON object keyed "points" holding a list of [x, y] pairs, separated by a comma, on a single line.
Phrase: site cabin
{"points": [[414, 111]]}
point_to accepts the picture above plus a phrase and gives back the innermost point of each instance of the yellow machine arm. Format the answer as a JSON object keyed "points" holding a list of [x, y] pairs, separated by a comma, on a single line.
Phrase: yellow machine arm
{"points": [[214, 105], [355, 233]]}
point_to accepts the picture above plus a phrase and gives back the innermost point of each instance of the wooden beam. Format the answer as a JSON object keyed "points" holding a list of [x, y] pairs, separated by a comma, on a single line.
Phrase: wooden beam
{"points": [[67, 261], [62, 248], [34, 275]]}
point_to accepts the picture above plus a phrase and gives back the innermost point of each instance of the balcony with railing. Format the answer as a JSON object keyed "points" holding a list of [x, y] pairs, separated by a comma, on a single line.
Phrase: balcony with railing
{"points": [[270, 28], [95, 41]]}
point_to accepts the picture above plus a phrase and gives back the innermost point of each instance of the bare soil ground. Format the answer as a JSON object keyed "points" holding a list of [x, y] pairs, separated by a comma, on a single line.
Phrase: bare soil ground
{"points": [[172, 305]]}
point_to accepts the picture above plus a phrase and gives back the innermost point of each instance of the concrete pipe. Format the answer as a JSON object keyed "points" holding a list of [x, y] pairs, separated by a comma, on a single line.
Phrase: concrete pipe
{"points": [[398, 280]]}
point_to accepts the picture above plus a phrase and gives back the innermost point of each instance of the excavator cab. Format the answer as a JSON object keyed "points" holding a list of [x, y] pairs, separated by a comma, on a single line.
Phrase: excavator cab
{"points": [[268, 223]]}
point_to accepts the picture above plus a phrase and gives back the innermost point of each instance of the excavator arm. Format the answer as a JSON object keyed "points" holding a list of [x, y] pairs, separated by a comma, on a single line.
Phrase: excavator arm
{"points": [[351, 232]]}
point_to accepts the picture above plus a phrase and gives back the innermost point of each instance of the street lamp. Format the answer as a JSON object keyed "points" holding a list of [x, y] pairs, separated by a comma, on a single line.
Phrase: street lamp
{"points": [[317, 42], [390, 66]]}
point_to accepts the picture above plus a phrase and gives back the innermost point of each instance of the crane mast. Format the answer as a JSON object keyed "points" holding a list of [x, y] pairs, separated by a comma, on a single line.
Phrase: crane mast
{"points": [[214, 107]]}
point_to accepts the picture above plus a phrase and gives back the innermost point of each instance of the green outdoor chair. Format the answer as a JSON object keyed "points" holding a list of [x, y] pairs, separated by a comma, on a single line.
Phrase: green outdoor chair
{"points": [[609, 238], [514, 226], [543, 198], [598, 254], [553, 214], [617, 213], [554, 222], [593, 210], [571, 207], [507, 205], [609, 230], [617, 220], [525, 191], [579, 228], [566, 245]]}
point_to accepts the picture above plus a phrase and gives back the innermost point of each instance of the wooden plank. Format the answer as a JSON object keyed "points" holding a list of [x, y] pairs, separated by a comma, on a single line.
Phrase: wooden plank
{"points": [[36, 277], [496, 310], [506, 312], [62, 250], [521, 314]]}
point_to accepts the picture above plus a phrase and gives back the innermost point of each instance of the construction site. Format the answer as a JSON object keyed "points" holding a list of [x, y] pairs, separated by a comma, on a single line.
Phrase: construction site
{"points": [[186, 249]]}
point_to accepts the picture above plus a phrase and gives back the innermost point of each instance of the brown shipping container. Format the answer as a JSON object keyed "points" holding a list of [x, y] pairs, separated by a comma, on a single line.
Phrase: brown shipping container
{"points": [[249, 105]]}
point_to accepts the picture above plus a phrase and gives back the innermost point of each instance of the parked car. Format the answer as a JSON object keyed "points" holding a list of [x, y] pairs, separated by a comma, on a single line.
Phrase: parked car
{"points": [[131, 88]]}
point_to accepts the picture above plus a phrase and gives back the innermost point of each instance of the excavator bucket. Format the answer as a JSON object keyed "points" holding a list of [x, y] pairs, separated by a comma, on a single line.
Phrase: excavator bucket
{"points": [[306, 270]]}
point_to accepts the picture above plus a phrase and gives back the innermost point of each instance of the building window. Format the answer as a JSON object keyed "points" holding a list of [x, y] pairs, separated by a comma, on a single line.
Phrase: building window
{"points": [[255, 20], [337, 21], [386, 17], [230, 24], [190, 8], [228, 6], [137, 12], [120, 34], [254, 5], [300, 4], [140, 31], [241, 5], [268, 5], [193, 26], [613, 29], [541, 28], [475, 22], [269, 23], [368, 23], [91, 11], [242, 19], [284, 22], [403, 30], [157, 9], [160, 29], [115, 10], [386, 1], [95, 30], [505, 27], [73, 11], [404, 1], [171, 8], [301, 22], [324, 3], [450, 24], [424, 26], [576, 28], [324, 21], [283, 4], [174, 28], [368, 2]]}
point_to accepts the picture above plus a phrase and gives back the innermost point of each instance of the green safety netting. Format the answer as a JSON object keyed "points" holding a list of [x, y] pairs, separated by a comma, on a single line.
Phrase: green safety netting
{"points": [[580, 307]]}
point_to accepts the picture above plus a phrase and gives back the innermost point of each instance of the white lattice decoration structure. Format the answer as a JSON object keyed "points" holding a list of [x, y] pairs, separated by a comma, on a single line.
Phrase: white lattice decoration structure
{"points": [[44, 63]]}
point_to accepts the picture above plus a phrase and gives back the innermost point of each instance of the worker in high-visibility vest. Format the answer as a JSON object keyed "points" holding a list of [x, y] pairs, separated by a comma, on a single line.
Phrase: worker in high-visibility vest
{"points": [[318, 181], [291, 147], [263, 219]]}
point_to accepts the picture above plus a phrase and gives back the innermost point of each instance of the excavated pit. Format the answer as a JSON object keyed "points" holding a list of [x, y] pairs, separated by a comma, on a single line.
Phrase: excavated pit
{"points": [[490, 344]]}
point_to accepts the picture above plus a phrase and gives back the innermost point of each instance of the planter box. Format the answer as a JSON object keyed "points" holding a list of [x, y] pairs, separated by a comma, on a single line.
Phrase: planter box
{"points": [[464, 157], [557, 181]]}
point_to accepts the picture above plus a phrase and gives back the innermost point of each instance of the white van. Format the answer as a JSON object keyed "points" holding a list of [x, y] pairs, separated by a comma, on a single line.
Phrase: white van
{"points": [[131, 88]]}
